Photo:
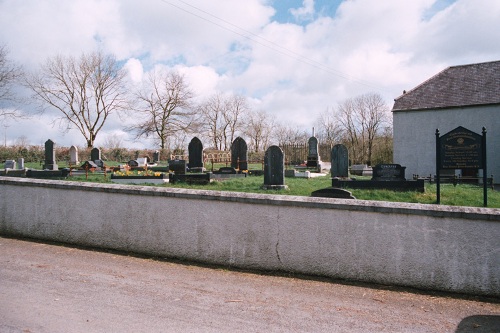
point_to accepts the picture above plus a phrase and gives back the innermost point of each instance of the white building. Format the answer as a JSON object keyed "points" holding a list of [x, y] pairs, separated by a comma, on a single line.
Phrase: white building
{"points": [[467, 96]]}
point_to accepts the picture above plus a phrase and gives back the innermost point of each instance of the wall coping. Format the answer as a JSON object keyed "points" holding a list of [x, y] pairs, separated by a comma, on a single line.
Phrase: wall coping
{"points": [[462, 212]]}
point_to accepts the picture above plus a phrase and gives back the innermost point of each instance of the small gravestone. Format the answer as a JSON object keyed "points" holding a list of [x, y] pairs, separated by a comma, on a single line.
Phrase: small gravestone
{"points": [[73, 155], [132, 163], [195, 149], [313, 159], [177, 166], [89, 165], [332, 192], [10, 164], [95, 154], [20, 163], [228, 170], [239, 154], [50, 156], [142, 161], [274, 169], [340, 161], [389, 172], [156, 157]]}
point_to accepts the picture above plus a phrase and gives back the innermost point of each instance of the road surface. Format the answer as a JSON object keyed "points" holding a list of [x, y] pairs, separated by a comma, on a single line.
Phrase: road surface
{"points": [[54, 288]]}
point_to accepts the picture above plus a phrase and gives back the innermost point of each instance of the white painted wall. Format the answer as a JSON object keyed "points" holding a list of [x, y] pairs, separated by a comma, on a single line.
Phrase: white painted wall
{"points": [[415, 139], [424, 246]]}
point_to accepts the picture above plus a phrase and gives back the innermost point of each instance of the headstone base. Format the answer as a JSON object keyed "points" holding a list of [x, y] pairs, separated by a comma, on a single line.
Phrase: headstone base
{"points": [[275, 187], [50, 167], [404, 185]]}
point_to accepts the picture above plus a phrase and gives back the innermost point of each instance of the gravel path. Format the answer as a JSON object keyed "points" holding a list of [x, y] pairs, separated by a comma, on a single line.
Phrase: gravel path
{"points": [[53, 288]]}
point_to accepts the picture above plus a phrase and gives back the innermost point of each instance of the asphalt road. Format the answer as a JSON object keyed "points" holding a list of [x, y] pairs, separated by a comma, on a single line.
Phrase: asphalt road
{"points": [[54, 288]]}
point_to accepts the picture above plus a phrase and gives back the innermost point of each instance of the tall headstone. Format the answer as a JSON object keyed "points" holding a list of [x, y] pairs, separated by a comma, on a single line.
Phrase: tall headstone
{"points": [[340, 161], [73, 155], [195, 149], [313, 159], [239, 154], [274, 169], [50, 156], [20, 163], [156, 157], [95, 154]]}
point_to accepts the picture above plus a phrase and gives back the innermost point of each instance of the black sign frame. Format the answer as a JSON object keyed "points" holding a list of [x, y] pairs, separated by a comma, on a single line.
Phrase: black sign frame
{"points": [[461, 149]]}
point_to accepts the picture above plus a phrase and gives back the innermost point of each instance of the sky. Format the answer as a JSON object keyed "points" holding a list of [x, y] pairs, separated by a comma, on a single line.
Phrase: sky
{"points": [[293, 59]]}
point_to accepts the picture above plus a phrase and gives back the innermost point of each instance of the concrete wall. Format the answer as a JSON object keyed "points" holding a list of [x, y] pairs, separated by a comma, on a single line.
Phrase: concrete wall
{"points": [[415, 139], [425, 246]]}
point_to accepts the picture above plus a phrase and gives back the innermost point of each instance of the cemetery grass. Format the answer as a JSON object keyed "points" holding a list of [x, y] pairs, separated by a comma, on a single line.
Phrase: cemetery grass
{"points": [[460, 195]]}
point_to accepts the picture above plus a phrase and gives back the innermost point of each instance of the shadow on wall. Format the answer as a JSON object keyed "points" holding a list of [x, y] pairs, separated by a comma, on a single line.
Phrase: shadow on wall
{"points": [[479, 324]]}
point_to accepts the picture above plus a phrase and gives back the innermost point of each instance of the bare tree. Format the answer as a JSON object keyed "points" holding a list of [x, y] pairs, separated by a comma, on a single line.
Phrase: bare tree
{"points": [[236, 106], [10, 75], [221, 116], [286, 135], [258, 129], [329, 129], [361, 119], [164, 106], [86, 91], [211, 112]]}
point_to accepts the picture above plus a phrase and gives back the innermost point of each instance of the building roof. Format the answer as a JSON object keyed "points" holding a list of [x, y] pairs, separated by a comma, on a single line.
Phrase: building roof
{"points": [[456, 86]]}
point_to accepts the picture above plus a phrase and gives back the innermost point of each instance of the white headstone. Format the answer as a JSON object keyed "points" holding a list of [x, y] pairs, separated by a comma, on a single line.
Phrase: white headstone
{"points": [[73, 155], [142, 161]]}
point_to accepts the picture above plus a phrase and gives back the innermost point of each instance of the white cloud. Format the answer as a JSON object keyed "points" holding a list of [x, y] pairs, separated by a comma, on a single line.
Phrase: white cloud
{"points": [[304, 13]]}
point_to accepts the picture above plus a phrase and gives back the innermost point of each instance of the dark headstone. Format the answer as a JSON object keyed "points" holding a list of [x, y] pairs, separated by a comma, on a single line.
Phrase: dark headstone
{"points": [[20, 163], [195, 150], [156, 157], [10, 164], [389, 172], [50, 156], [313, 159], [340, 161], [133, 163], [89, 165], [239, 154], [177, 166], [228, 170], [99, 163], [95, 154], [274, 168], [332, 192]]}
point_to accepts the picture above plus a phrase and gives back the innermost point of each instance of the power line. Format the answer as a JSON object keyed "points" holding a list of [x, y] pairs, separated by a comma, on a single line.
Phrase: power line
{"points": [[269, 44]]}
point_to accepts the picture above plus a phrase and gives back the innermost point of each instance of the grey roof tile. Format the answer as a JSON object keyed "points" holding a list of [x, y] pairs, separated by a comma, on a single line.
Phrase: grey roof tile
{"points": [[456, 86]]}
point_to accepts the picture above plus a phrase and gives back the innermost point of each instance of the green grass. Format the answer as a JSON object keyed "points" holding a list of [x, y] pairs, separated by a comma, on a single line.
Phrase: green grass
{"points": [[460, 195]]}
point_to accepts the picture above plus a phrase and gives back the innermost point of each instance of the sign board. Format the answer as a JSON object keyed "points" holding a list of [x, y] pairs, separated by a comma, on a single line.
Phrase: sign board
{"points": [[461, 149]]}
